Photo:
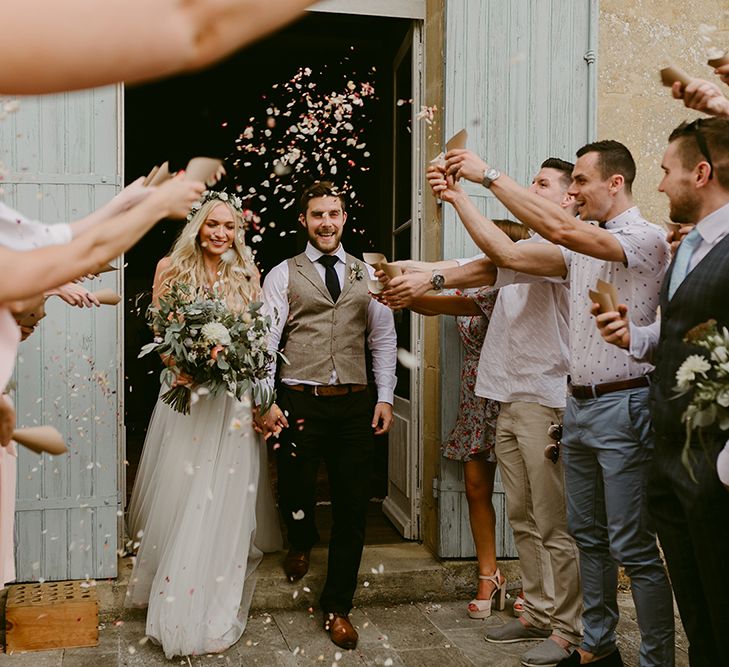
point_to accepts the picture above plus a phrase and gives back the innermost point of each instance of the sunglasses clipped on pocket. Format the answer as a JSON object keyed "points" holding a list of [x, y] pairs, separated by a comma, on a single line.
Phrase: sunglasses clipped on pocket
{"points": [[551, 451]]}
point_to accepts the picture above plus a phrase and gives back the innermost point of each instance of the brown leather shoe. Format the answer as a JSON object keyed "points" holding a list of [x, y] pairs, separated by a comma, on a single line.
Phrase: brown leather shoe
{"points": [[296, 564], [340, 630]]}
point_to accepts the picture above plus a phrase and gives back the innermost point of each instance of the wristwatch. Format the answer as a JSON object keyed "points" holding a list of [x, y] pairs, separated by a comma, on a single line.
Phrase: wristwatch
{"points": [[437, 281], [489, 176]]}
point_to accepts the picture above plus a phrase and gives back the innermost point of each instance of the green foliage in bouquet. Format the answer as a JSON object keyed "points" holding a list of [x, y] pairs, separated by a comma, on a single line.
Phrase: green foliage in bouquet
{"points": [[707, 375], [220, 349]]}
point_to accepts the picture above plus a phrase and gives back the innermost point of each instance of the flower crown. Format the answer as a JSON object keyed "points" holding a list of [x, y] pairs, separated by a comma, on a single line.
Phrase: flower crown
{"points": [[209, 195]]}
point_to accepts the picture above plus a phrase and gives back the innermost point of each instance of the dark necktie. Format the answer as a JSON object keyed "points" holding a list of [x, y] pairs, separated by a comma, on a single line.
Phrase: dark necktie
{"points": [[331, 279]]}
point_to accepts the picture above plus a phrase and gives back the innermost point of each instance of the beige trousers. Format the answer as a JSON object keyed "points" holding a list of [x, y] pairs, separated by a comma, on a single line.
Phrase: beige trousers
{"points": [[535, 502]]}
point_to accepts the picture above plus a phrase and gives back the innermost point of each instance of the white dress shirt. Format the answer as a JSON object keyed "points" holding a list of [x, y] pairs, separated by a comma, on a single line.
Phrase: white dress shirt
{"points": [[638, 281], [381, 336], [525, 355], [20, 233], [713, 228]]}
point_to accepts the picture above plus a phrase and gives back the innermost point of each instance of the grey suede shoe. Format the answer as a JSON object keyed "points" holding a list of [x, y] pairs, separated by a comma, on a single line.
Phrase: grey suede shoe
{"points": [[514, 631], [547, 654]]}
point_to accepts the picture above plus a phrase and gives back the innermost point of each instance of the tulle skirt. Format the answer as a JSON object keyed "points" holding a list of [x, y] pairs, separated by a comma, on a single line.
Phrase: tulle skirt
{"points": [[203, 513]]}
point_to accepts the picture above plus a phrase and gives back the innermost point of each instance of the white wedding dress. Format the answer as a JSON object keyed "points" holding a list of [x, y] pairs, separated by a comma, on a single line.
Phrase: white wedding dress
{"points": [[203, 512]]}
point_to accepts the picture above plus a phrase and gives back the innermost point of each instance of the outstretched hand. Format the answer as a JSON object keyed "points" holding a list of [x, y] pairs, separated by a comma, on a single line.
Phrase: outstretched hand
{"points": [[75, 295], [703, 96], [382, 419], [614, 326], [401, 291], [443, 186], [462, 163], [177, 196]]}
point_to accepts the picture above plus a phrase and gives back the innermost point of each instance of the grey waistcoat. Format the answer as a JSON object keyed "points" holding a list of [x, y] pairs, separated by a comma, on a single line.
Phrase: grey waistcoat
{"points": [[321, 336]]}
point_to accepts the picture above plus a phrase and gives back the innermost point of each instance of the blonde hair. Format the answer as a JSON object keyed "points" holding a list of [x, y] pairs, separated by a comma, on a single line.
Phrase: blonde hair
{"points": [[514, 230], [238, 277]]}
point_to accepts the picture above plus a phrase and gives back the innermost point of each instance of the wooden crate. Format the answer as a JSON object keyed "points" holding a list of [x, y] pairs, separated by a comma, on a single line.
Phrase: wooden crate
{"points": [[59, 614]]}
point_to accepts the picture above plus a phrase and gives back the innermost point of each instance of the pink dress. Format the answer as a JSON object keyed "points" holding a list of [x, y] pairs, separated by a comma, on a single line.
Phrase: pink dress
{"points": [[475, 429], [9, 340]]}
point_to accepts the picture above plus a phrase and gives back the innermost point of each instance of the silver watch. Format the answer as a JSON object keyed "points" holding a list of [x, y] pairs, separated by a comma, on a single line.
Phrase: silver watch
{"points": [[437, 281], [489, 176]]}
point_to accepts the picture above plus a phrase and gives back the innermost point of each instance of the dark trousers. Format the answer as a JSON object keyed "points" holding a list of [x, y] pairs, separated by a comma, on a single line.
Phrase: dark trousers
{"points": [[337, 429], [692, 519]]}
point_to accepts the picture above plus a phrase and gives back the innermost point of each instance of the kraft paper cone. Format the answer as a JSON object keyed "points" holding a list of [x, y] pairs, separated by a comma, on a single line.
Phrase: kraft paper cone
{"points": [[31, 318], [152, 173], [206, 169], [602, 299], [106, 268], [107, 296], [163, 174], [374, 259], [718, 61], [671, 74], [41, 439], [375, 286], [609, 289], [378, 262], [672, 226], [458, 140]]}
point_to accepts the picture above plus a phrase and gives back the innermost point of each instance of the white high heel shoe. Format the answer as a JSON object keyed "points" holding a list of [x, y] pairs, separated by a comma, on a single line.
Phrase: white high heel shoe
{"points": [[496, 601]]}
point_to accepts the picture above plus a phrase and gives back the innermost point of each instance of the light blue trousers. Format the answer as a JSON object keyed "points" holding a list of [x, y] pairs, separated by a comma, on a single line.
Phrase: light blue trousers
{"points": [[607, 450]]}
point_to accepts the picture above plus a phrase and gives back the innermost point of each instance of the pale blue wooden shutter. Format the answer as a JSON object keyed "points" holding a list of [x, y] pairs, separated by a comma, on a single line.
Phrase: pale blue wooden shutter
{"points": [[63, 157], [519, 78]]}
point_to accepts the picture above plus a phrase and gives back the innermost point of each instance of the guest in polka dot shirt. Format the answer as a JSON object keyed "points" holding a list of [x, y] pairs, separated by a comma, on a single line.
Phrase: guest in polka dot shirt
{"points": [[607, 444]]}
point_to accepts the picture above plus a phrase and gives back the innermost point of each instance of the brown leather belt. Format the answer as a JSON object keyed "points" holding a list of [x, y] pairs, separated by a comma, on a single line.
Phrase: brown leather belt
{"points": [[327, 389], [594, 390]]}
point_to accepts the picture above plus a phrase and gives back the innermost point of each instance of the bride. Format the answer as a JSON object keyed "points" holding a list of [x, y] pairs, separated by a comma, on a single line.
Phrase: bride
{"points": [[202, 508]]}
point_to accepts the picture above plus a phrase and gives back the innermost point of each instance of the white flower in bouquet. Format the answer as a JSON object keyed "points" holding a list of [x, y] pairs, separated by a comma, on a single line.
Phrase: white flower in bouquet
{"points": [[692, 366], [215, 332], [707, 378]]}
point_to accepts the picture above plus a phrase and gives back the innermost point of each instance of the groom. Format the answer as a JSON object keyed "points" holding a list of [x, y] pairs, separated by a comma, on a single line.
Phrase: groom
{"points": [[323, 319]]}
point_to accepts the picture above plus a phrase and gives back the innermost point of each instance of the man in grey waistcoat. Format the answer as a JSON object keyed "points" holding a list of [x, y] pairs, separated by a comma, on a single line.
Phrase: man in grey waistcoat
{"points": [[323, 319]]}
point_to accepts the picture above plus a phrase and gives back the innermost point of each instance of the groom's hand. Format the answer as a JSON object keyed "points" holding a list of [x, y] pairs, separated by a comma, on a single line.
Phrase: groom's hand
{"points": [[382, 419]]}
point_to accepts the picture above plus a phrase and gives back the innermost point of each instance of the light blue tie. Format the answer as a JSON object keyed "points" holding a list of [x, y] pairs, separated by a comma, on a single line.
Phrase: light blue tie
{"points": [[682, 260]]}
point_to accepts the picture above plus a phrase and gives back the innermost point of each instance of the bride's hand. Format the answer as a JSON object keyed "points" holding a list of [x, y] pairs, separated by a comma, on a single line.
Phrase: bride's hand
{"points": [[183, 380], [270, 423]]}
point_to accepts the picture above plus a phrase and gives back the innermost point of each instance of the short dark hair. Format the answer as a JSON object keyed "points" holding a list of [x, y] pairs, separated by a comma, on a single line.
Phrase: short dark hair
{"points": [[560, 165], [613, 158], [320, 189], [715, 134]]}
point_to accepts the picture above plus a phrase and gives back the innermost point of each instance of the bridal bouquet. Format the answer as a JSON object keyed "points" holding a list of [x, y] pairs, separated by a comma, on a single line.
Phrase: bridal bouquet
{"points": [[220, 349], [708, 376]]}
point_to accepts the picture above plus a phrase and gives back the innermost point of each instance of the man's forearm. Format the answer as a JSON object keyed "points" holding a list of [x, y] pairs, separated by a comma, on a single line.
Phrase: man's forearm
{"points": [[85, 43], [537, 213], [485, 234], [481, 273]]}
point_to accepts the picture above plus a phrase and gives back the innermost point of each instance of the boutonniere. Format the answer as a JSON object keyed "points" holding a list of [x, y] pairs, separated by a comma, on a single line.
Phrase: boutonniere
{"points": [[356, 272]]}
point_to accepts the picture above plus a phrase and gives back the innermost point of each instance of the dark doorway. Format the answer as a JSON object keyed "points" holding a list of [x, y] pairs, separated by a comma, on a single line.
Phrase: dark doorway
{"points": [[253, 100]]}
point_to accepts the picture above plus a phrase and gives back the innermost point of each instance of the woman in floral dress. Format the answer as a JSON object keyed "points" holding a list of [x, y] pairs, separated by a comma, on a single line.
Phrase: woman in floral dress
{"points": [[472, 438]]}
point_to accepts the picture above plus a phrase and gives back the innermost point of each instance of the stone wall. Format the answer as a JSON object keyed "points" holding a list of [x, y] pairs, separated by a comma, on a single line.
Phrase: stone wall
{"points": [[636, 39]]}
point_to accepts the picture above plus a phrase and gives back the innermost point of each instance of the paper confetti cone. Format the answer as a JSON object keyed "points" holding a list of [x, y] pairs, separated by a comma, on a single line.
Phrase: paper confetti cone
{"points": [[41, 439]]}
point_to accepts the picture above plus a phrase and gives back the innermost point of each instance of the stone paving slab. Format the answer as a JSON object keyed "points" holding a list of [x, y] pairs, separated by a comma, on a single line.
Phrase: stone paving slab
{"points": [[402, 635]]}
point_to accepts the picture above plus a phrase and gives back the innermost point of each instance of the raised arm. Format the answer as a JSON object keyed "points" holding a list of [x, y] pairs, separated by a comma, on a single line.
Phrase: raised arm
{"points": [[536, 259], [24, 274], [543, 216], [51, 46]]}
